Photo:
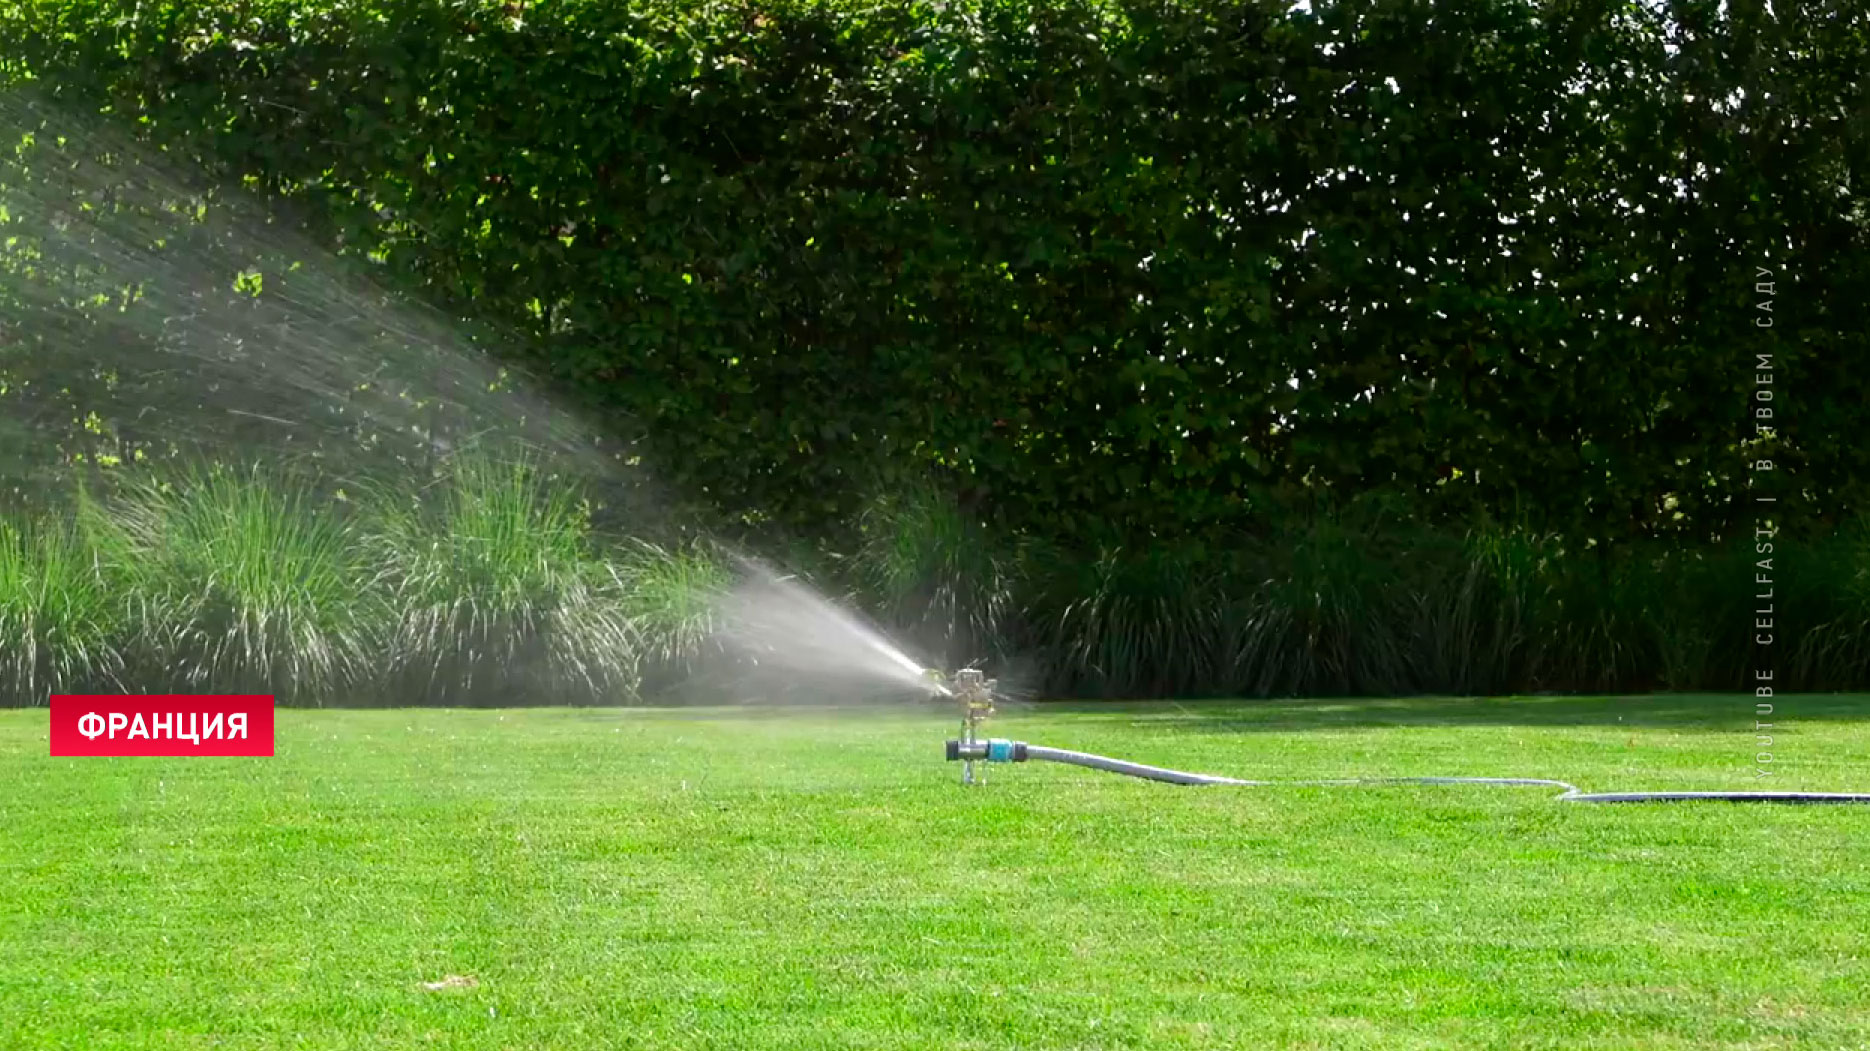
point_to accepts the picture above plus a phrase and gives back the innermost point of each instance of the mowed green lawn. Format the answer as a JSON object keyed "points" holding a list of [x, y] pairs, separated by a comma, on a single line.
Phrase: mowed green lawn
{"points": [[817, 879]]}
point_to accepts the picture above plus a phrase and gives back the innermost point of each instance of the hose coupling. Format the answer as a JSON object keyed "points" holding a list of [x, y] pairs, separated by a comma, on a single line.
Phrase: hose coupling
{"points": [[993, 750]]}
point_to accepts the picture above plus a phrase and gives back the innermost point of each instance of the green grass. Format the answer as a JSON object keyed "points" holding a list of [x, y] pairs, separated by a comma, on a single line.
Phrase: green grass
{"points": [[812, 879]]}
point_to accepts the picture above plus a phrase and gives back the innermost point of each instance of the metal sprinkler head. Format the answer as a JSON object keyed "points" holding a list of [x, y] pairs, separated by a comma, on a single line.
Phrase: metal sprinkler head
{"points": [[975, 692]]}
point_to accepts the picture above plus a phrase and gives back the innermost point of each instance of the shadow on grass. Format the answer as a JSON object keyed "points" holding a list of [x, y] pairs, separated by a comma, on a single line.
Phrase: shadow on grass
{"points": [[1712, 712]]}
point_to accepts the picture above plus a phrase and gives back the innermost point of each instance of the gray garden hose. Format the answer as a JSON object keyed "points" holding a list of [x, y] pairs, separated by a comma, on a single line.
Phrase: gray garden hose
{"points": [[1119, 766], [1019, 751]]}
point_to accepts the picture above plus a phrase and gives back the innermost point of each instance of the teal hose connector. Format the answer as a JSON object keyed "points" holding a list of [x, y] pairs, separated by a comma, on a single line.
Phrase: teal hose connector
{"points": [[995, 750]]}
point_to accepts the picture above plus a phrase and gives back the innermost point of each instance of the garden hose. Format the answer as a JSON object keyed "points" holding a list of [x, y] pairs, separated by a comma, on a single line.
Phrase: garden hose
{"points": [[1001, 750]]}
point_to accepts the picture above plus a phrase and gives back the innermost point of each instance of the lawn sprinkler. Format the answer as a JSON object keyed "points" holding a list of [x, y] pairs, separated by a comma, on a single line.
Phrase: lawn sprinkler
{"points": [[976, 693]]}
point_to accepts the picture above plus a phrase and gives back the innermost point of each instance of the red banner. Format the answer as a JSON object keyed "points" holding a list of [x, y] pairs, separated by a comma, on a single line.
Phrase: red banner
{"points": [[162, 724]]}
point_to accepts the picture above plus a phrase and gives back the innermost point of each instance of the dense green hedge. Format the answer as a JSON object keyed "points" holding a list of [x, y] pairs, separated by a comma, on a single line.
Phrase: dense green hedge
{"points": [[1072, 256]]}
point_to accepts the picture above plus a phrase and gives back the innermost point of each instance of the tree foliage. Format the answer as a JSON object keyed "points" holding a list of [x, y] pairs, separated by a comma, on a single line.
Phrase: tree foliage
{"points": [[1112, 270]]}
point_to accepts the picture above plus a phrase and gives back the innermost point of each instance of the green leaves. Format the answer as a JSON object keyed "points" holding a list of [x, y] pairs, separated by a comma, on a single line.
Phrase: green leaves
{"points": [[1154, 266]]}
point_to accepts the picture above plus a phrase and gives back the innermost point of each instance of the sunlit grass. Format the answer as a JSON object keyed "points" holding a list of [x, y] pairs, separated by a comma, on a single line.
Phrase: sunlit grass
{"points": [[810, 879]]}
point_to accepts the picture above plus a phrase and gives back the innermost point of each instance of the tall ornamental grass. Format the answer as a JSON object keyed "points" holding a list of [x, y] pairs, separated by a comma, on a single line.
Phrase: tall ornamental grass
{"points": [[489, 586], [62, 617], [237, 581], [502, 596]]}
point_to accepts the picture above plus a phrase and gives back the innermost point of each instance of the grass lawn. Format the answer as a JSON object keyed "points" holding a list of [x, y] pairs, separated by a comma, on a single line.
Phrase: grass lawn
{"points": [[727, 879]]}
